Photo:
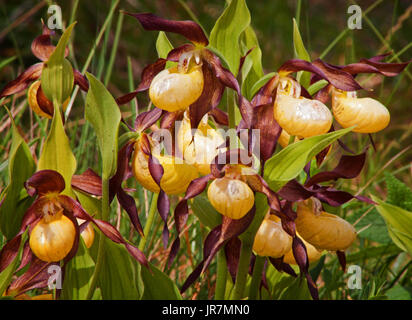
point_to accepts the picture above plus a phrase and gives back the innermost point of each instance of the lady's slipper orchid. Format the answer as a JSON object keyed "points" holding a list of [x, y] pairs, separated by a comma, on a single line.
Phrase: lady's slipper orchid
{"points": [[201, 148], [53, 226]]}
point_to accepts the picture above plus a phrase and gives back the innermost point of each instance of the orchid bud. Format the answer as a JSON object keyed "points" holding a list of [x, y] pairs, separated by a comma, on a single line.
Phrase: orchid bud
{"points": [[297, 115], [366, 114]]}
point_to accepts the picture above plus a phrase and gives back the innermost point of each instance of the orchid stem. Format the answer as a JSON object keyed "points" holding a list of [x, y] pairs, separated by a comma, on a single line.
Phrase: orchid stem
{"points": [[100, 252], [149, 221], [242, 271], [221, 275], [256, 277]]}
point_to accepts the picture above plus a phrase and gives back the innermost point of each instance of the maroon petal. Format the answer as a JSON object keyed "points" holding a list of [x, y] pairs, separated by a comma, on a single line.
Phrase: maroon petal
{"points": [[387, 69], [88, 182], [129, 205], [209, 99], [123, 158], [269, 130], [220, 116], [258, 184], [42, 47], [342, 259], [321, 155], [348, 167], [323, 94], [23, 80], [43, 182], [189, 29], [147, 119], [9, 252], [232, 253], [75, 247], [301, 257], [216, 238], [163, 203], [44, 104], [229, 80], [174, 54], [181, 211], [338, 78], [267, 93], [294, 191]]}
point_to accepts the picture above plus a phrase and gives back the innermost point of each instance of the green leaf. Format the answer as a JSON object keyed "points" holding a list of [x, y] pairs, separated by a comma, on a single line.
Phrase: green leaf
{"points": [[15, 199], [7, 274], [373, 225], [207, 215], [288, 163], [119, 277], [103, 113], [78, 274], [252, 69], [399, 223], [158, 286], [261, 82], [57, 77], [227, 30], [57, 154], [398, 193], [300, 52]]}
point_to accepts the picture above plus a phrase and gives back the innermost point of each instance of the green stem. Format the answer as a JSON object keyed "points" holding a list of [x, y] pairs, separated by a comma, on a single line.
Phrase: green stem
{"points": [[221, 275], [256, 277], [100, 252], [242, 271], [149, 221]]}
